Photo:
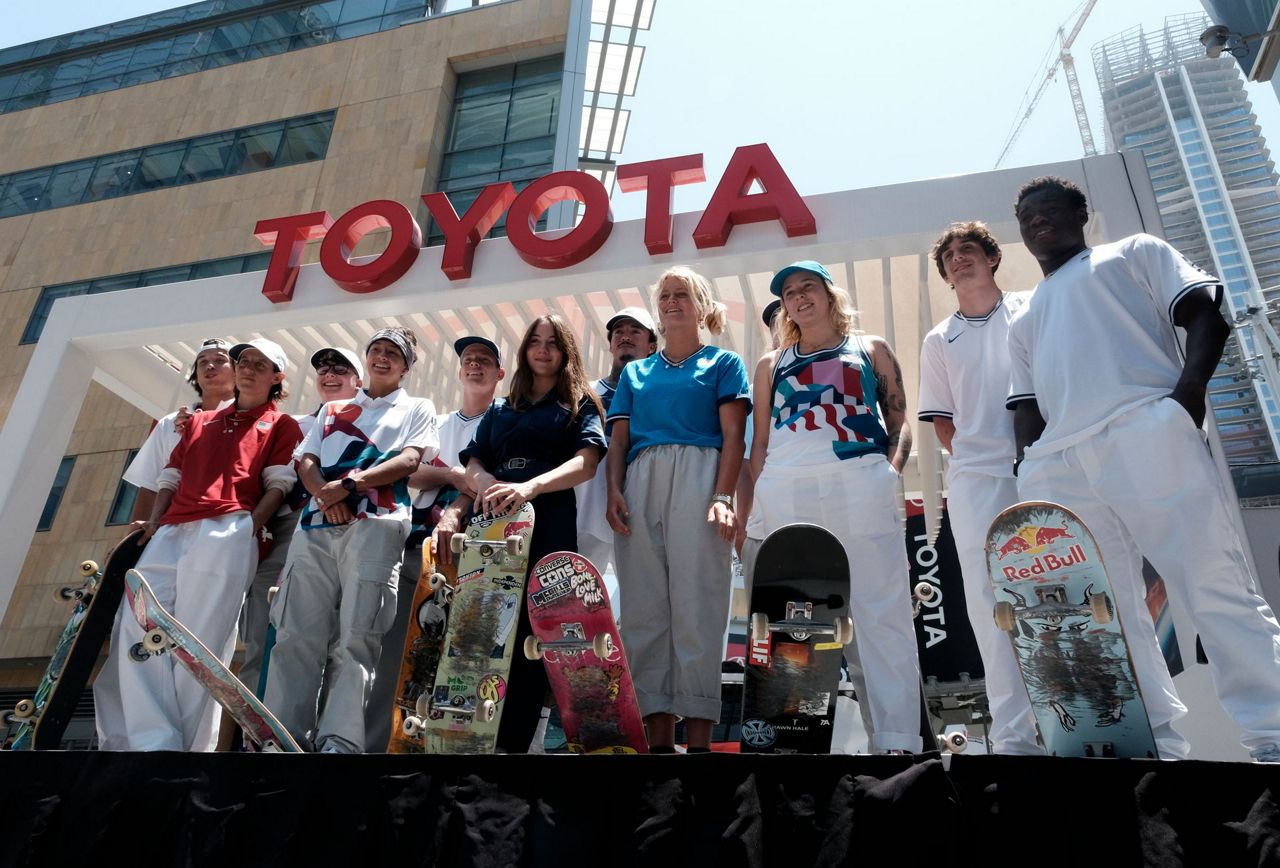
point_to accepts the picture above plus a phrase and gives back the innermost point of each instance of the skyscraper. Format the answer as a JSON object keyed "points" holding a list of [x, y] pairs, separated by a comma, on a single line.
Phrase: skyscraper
{"points": [[1215, 184]]}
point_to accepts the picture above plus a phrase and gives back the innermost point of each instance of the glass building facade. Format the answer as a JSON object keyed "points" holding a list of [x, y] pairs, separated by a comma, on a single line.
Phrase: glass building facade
{"points": [[1215, 185]]}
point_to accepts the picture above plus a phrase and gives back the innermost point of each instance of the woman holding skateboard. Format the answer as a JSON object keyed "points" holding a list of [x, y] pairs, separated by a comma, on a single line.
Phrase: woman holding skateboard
{"points": [[677, 421], [829, 444], [533, 447]]}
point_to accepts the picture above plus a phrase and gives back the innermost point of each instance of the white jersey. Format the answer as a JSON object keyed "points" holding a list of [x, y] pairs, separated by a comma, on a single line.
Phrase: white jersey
{"points": [[593, 495], [456, 432], [144, 470], [1097, 338], [964, 377]]}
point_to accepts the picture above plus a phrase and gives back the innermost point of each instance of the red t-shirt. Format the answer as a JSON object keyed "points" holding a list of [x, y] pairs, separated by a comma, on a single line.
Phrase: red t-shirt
{"points": [[222, 455]]}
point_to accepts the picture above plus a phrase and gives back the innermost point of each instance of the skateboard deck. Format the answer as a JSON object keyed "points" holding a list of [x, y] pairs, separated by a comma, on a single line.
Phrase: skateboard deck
{"points": [[799, 626], [165, 634], [466, 702], [1054, 600], [575, 635], [43, 718], [423, 645]]}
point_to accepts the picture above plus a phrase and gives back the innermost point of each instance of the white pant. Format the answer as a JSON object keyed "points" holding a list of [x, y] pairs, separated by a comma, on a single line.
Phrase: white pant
{"points": [[857, 501], [255, 614], [973, 500], [337, 601], [1146, 483], [596, 550], [199, 571]]}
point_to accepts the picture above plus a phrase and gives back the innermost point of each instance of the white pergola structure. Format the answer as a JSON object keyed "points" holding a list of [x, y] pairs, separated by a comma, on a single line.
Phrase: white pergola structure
{"points": [[140, 343]]}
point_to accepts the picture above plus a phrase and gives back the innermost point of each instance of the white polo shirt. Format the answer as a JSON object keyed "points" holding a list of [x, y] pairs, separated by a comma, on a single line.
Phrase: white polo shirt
{"points": [[964, 377], [456, 431], [144, 470], [1097, 339]]}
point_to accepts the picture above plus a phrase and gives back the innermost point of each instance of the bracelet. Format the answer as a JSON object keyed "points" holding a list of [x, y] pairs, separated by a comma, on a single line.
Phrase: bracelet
{"points": [[726, 499]]}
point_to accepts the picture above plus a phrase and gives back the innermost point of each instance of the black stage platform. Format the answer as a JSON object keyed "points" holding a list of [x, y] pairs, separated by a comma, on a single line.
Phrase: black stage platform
{"points": [[240, 810]]}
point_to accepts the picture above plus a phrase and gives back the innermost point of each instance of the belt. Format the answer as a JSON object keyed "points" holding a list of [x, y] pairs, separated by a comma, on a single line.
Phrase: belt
{"points": [[515, 464]]}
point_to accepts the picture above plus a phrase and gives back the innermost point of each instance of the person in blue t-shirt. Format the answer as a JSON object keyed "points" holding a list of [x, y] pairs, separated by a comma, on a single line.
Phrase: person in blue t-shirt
{"points": [[677, 441], [534, 446]]}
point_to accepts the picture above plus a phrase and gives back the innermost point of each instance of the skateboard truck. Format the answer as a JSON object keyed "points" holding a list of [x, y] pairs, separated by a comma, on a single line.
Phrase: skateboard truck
{"points": [[600, 644], [1051, 605], [513, 545], [800, 624]]}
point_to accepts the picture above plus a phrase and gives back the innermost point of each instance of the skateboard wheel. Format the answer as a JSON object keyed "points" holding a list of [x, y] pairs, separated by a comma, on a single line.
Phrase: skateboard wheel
{"points": [[24, 710], [515, 545], [956, 742], [532, 648], [88, 568], [435, 582], [844, 630], [457, 543], [924, 591], [488, 711], [65, 593], [137, 653], [422, 705], [602, 645], [1100, 608], [759, 626], [412, 727], [1004, 616], [156, 641]]}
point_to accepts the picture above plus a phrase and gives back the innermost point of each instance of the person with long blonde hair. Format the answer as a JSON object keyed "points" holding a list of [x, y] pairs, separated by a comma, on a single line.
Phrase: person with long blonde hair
{"points": [[677, 422], [830, 441], [533, 447]]}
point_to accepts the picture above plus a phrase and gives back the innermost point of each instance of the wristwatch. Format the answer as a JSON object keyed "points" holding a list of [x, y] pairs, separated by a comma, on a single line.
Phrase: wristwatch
{"points": [[349, 483], [726, 499]]}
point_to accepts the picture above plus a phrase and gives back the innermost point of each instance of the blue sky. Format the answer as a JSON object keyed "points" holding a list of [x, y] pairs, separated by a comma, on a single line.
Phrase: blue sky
{"points": [[848, 93]]}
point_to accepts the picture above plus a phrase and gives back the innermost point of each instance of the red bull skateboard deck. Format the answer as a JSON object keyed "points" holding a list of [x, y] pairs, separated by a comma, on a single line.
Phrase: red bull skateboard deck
{"points": [[165, 634], [575, 636], [799, 626], [423, 644], [1054, 600], [42, 719], [470, 687]]}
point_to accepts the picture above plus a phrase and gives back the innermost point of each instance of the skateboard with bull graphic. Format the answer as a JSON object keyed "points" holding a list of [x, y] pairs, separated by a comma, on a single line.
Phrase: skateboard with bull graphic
{"points": [[1054, 600], [464, 708], [574, 634]]}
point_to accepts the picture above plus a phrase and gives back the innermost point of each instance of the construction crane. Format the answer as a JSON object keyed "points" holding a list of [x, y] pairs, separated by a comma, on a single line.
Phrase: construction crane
{"points": [[1063, 58]]}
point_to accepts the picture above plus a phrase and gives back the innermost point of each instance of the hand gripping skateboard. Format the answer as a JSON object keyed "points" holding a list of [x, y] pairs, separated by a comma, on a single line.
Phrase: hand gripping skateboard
{"points": [[1053, 599], [799, 626], [423, 645], [575, 636], [42, 719], [165, 634], [466, 703]]}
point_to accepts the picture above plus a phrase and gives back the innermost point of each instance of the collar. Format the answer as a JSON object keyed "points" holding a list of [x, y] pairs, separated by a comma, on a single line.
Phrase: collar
{"points": [[984, 317], [1083, 254], [680, 364], [364, 399], [229, 409]]}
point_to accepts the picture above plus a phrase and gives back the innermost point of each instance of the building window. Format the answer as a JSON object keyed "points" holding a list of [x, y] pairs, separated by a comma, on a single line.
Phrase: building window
{"points": [[168, 274], [205, 158], [503, 128], [187, 39], [126, 494], [55, 493]]}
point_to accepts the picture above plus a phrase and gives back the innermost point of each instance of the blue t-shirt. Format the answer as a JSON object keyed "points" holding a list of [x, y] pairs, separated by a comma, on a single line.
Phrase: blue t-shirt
{"points": [[678, 403]]}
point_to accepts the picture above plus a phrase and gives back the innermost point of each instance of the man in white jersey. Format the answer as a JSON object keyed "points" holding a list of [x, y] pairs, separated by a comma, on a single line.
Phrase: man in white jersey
{"points": [[1107, 419], [632, 335], [964, 379], [441, 501]]}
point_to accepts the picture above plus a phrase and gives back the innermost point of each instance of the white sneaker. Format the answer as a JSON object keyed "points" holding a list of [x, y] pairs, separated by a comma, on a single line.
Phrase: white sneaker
{"points": [[1268, 753]]}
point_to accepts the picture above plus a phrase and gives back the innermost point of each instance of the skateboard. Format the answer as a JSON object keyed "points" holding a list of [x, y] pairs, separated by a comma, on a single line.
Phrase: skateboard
{"points": [[165, 634], [423, 644], [466, 703], [1053, 599], [574, 634], [799, 626], [42, 719]]}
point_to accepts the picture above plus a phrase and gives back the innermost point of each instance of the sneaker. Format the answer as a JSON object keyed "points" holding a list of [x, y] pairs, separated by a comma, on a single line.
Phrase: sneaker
{"points": [[1267, 753], [333, 748]]}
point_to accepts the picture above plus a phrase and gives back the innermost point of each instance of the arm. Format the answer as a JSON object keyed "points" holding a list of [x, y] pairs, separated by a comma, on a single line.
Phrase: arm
{"points": [[762, 394], [159, 507], [1207, 334], [615, 465], [389, 471], [893, 402], [450, 523], [502, 497], [945, 429], [478, 477], [1028, 425], [266, 508], [142, 504], [733, 419], [429, 476]]}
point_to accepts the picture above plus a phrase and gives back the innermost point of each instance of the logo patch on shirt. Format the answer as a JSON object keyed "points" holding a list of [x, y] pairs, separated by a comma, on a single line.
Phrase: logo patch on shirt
{"points": [[263, 425]]}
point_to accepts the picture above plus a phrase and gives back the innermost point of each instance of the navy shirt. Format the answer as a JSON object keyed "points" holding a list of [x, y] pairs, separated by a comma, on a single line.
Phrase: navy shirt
{"points": [[541, 434]]}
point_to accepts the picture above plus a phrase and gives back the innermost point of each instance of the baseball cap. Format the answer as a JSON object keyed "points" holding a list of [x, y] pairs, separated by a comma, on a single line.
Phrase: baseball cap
{"points": [[352, 360], [770, 311], [775, 285], [638, 314], [270, 349], [462, 343]]}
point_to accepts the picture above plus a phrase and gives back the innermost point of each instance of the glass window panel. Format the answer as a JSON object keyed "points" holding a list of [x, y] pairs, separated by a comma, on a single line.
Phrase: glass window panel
{"points": [[113, 176], [8, 83], [357, 28], [533, 112], [317, 16], [140, 76], [271, 34], [530, 153], [159, 166], [16, 53], [308, 38], [256, 261], [33, 81], [229, 42], [160, 276], [485, 81], [40, 315], [399, 11], [94, 85], [71, 72], [305, 140], [207, 158], [479, 121], [464, 164], [149, 54], [256, 148], [115, 283], [68, 184], [126, 494], [56, 492], [359, 10], [111, 62], [215, 268], [25, 192], [546, 69]]}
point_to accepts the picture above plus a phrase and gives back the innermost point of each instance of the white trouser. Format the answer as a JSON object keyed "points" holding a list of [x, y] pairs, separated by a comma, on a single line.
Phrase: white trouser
{"points": [[857, 500], [973, 500], [255, 614], [673, 579], [596, 550], [1147, 483], [199, 571], [336, 602]]}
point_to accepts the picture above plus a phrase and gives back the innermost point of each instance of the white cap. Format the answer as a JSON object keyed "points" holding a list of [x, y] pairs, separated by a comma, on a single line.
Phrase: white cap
{"points": [[270, 349], [638, 314], [352, 360]]}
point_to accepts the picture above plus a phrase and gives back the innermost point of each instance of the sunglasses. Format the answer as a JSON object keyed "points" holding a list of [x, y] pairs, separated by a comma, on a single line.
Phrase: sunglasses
{"points": [[335, 369]]}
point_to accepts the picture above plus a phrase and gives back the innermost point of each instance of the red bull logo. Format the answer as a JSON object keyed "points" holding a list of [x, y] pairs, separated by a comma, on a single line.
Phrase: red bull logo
{"points": [[516, 526], [1047, 564], [1032, 539]]}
